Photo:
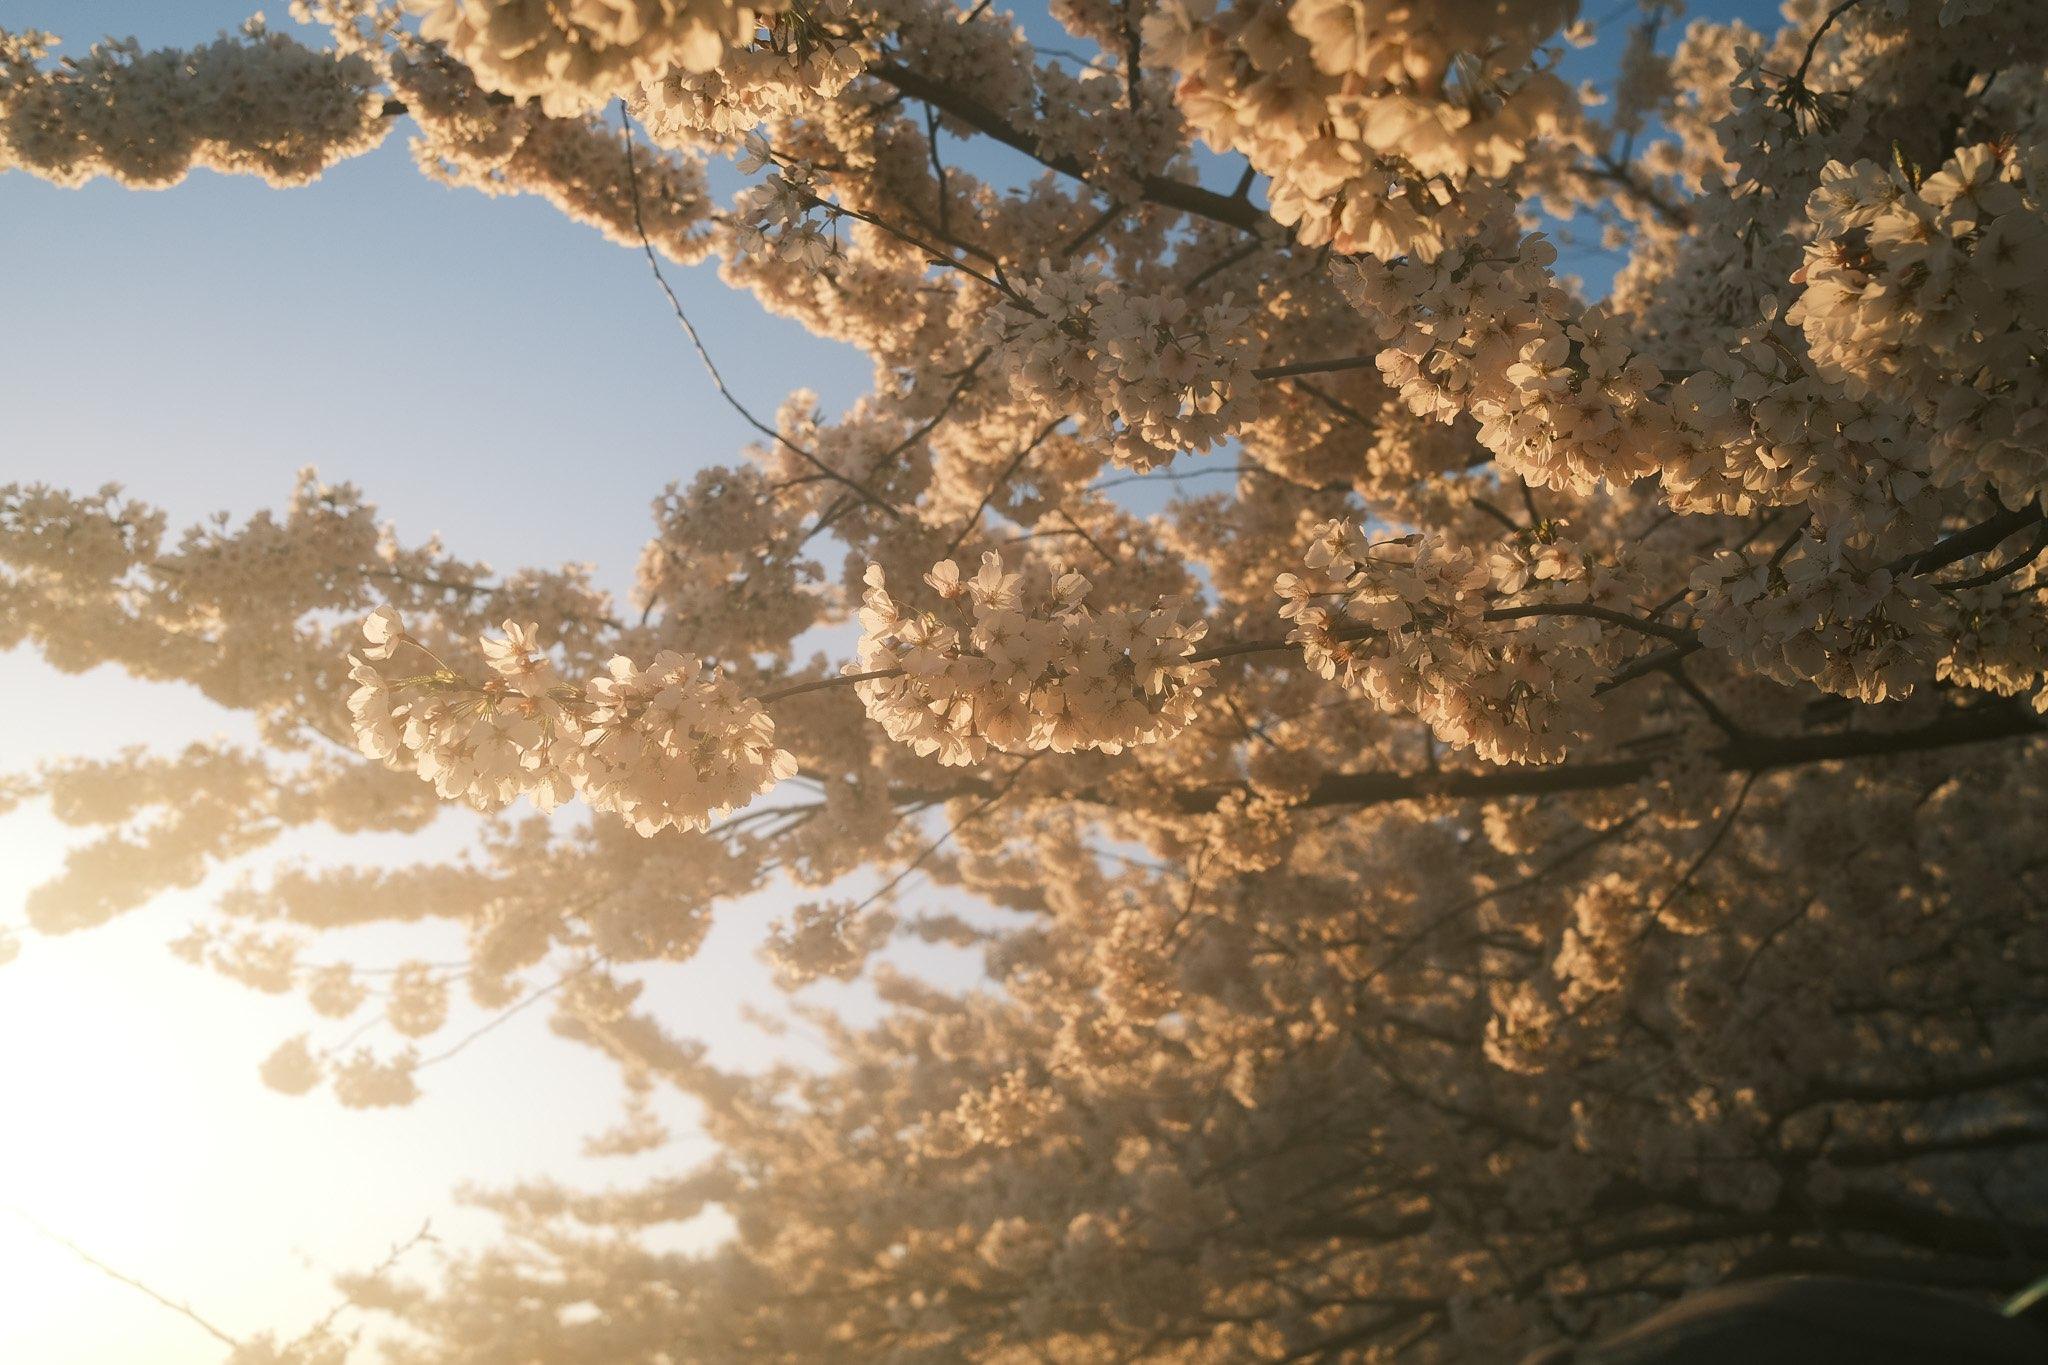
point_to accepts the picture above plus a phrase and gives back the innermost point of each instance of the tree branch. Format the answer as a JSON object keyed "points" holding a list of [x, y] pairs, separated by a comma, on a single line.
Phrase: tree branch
{"points": [[1762, 753], [1985, 535], [183, 1310], [1157, 189]]}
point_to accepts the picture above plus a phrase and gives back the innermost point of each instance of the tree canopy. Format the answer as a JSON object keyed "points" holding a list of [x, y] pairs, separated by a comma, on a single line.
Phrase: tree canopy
{"points": [[1558, 822]]}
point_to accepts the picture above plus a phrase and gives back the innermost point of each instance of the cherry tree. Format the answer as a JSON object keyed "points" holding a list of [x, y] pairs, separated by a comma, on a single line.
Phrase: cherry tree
{"points": [[1558, 824]]}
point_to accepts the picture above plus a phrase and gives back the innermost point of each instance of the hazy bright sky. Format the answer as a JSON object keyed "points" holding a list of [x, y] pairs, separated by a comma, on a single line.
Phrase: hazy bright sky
{"points": [[483, 368]]}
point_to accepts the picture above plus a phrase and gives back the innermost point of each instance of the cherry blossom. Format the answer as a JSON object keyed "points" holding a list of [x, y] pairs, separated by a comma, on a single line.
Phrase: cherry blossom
{"points": [[1471, 802]]}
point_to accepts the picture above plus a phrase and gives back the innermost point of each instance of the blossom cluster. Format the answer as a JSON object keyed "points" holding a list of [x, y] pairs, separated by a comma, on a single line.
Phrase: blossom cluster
{"points": [[254, 104], [1154, 374], [1402, 620], [824, 940], [1369, 115], [1563, 395], [2000, 640], [1852, 628], [573, 57], [361, 1080], [1697, 971], [469, 138], [674, 744], [1086, 117], [775, 216], [1007, 1112], [717, 566], [1543, 555], [1916, 289], [1020, 670], [797, 64]]}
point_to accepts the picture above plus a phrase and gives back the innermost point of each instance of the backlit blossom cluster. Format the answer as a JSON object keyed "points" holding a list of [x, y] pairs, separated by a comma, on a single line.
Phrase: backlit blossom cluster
{"points": [[1998, 644], [1402, 620], [470, 138], [1008, 1112], [1545, 555], [1369, 116], [573, 57], [716, 563], [361, 1079], [802, 59], [416, 1003], [1085, 116], [776, 216], [830, 940], [1852, 628], [1563, 395], [1152, 375], [1020, 669], [1916, 290], [674, 744], [257, 103]]}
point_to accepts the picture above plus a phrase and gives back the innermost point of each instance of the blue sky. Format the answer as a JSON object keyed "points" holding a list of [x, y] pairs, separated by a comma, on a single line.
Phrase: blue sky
{"points": [[484, 369]]}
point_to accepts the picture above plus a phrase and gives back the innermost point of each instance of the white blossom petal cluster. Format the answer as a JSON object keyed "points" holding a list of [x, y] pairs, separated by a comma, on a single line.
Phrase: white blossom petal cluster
{"points": [[1402, 620], [829, 940], [1849, 627], [717, 563], [574, 55], [1154, 375], [362, 1080], [1998, 644], [472, 140], [335, 991], [1085, 116], [1563, 396], [1005, 1113], [801, 61], [775, 216], [1370, 115], [292, 1069], [674, 744], [253, 104], [1544, 555], [1914, 293], [1024, 671]]}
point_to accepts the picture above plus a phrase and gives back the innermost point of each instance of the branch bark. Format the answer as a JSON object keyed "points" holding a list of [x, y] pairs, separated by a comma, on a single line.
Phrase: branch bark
{"points": [[1762, 753]]}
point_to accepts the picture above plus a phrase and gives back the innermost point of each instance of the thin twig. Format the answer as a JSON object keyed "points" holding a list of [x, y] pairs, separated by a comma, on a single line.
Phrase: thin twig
{"points": [[718, 380], [532, 998], [183, 1310], [1713, 844], [1813, 43], [996, 487], [393, 1257], [935, 845]]}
